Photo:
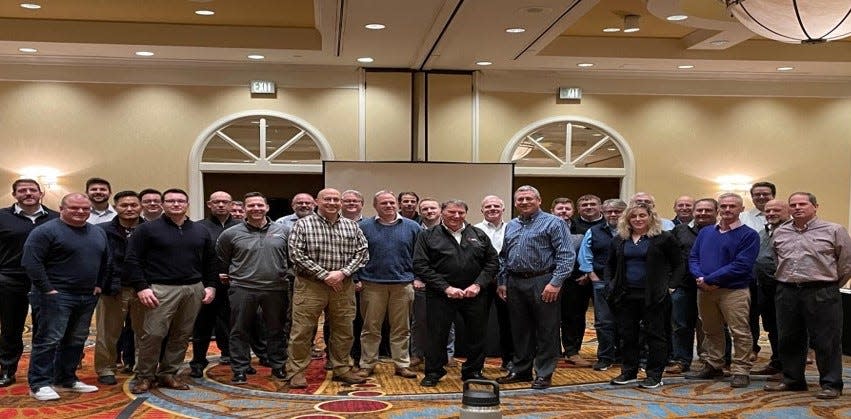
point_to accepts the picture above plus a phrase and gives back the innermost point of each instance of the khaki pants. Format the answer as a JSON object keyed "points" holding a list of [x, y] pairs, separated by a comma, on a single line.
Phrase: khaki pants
{"points": [[378, 301], [310, 298], [730, 307], [110, 314], [175, 316]]}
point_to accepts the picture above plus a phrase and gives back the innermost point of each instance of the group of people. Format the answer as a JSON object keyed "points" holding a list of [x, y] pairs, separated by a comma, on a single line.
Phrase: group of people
{"points": [[158, 280]]}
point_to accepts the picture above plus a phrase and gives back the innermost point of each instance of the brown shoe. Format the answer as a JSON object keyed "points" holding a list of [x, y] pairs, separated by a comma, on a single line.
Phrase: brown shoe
{"points": [[364, 372], [349, 377], [766, 370], [676, 368], [828, 393], [416, 361], [298, 381], [577, 361], [142, 385], [784, 387], [775, 377], [405, 372], [172, 382]]}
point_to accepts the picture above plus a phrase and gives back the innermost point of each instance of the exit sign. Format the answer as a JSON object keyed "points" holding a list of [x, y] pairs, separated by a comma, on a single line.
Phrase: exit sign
{"points": [[570, 93], [263, 87]]}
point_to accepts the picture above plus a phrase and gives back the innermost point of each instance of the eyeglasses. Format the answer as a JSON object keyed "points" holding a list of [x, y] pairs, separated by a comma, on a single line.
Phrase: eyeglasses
{"points": [[175, 201]]}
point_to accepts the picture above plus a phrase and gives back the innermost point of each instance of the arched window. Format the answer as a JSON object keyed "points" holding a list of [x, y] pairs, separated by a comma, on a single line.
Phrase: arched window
{"points": [[570, 146], [255, 142]]}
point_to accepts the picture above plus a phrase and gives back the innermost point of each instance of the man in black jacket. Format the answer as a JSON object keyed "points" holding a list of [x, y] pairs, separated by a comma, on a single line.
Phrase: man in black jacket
{"points": [[167, 261], [117, 297], [457, 263], [16, 223]]}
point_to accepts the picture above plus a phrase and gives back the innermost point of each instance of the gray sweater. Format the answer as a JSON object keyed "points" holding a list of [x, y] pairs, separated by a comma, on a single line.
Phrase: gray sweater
{"points": [[256, 257]]}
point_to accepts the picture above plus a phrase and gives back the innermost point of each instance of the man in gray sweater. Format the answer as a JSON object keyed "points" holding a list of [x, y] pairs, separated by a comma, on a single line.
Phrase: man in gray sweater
{"points": [[255, 253]]}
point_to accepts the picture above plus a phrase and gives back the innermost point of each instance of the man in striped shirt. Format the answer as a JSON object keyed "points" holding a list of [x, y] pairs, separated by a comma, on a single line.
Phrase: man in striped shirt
{"points": [[536, 258], [326, 249]]}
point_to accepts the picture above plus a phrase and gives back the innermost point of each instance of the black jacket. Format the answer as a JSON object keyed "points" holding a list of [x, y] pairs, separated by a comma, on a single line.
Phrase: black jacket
{"points": [[14, 230], [664, 265], [441, 262], [117, 239]]}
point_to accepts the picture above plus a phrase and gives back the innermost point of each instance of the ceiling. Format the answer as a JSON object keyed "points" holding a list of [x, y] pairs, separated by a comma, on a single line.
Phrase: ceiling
{"points": [[419, 35]]}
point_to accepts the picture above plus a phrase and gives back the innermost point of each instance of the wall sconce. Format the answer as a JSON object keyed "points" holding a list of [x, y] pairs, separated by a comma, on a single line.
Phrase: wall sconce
{"points": [[739, 184], [47, 177]]}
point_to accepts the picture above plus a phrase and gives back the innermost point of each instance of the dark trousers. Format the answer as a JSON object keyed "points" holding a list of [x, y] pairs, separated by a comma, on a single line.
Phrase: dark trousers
{"points": [[440, 313], [244, 304], [257, 339], [683, 323], [126, 347], [605, 324], [768, 311], [534, 325], [14, 303], [419, 324], [631, 312], [813, 312], [213, 316], [64, 321], [753, 316], [506, 343], [574, 304]]}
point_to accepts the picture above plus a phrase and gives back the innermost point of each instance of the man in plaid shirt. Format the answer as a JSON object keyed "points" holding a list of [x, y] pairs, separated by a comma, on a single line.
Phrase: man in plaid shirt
{"points": [[326, 249]]}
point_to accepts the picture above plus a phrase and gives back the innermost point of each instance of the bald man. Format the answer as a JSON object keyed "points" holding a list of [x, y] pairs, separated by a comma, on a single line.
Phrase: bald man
{"points": [[303, 205], [684, 210]]}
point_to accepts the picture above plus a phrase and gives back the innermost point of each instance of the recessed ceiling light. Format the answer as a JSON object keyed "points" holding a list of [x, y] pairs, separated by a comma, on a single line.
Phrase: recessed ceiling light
{"points": [[144, 53], [31, 6], [28, 50], [685, 66], [719, 42], [585, 65], [515, 30], [204, 12], [483, 63], [612, 29], [785, 68], [631, 30], [611, 149], [374, 26], [365, 59], [255, 56], [676, 18]]}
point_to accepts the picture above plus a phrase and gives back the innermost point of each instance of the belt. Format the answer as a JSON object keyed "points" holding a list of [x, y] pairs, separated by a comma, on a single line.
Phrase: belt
{"points": [[529, 274], [809, 284]]}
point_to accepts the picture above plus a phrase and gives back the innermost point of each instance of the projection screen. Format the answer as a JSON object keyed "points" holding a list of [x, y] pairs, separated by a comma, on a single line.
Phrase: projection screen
{"points": [[467, 181]]}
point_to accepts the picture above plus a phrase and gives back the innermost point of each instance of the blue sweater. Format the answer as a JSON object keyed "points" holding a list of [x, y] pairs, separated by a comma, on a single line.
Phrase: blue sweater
{"points": [[391, 251], [725, 260], [67, 259]]}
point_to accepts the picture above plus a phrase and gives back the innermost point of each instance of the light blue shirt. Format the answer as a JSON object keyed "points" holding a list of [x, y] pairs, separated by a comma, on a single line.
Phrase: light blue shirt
{"points": [[586, 254], [540, 243]]}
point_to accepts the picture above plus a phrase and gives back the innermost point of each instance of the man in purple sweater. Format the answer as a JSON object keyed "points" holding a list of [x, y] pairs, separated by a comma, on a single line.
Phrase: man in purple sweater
{"points": [[722, 261]]}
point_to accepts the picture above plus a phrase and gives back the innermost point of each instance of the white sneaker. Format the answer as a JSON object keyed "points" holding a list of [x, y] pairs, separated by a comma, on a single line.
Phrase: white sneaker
{"points": [[45, 393], [79, 387]]}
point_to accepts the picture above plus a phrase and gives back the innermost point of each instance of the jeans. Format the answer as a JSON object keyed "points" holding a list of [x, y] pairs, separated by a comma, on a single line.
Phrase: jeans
{"points": [[683, 321], [63, 327], [605, 325]]}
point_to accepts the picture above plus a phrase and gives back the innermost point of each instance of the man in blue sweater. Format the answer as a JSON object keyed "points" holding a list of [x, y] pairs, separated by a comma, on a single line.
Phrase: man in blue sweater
{"points": [[387, 284], [67, 261], [722, 261]]}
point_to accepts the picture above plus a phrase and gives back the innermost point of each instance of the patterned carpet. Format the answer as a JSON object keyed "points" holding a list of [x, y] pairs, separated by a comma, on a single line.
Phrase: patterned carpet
{"points": [[577, 392]]}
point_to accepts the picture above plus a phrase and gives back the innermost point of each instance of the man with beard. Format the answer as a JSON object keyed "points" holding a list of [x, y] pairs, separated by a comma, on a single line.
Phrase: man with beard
{"points": [[563, 208], [536, 258], [117, 299], [684, 209], [255, 253], [458, 263], [67, 260], [16, 223], [98, 190], [593, 254], [684, 294], [493, 207], [216, 315], [303, 205]]}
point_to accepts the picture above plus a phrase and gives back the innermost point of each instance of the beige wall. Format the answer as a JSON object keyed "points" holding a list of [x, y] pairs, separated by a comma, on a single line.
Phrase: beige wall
{"points": [[449, 118], [388, 116], [683, 143], [139, 136]]}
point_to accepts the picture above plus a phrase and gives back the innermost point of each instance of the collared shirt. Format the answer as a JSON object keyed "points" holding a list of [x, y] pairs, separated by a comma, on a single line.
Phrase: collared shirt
{"points": [[495, 232], [821, 251], [395, 219], [667, 225], [733, 226], [586, 254], [455, 234], [536, 244], [34, 216], [754, 219], [287, 220], [97, 217], [318, 245]]}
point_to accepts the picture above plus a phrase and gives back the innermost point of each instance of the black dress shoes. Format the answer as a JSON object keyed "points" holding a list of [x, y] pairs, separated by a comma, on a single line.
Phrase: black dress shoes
{"points": [[477, 375], [430, 380], [196, 371], [541, 383], [7, 378], [239, 378], [785, 387], [279, 373], [514, 377], [250, 370]]}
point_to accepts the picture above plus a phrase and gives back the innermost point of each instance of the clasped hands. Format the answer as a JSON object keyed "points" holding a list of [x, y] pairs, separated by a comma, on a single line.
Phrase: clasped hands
{"points": [[704, 286], [458, 293]]}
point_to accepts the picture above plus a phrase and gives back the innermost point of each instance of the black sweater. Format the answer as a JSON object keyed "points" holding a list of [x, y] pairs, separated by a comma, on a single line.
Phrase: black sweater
{"points": [[65, 258], [117, 238], [441, 262], [664, 264], [161, 252], [14, 229]]}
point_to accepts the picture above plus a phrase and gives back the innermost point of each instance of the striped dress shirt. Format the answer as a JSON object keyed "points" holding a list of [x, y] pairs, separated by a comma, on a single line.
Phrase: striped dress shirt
{"points": [[318, 246], [536, 244]]}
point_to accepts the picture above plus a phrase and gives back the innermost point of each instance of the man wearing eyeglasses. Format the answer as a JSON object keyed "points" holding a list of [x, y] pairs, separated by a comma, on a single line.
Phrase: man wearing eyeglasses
{"points": [[303, 205], [172, 265]]}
